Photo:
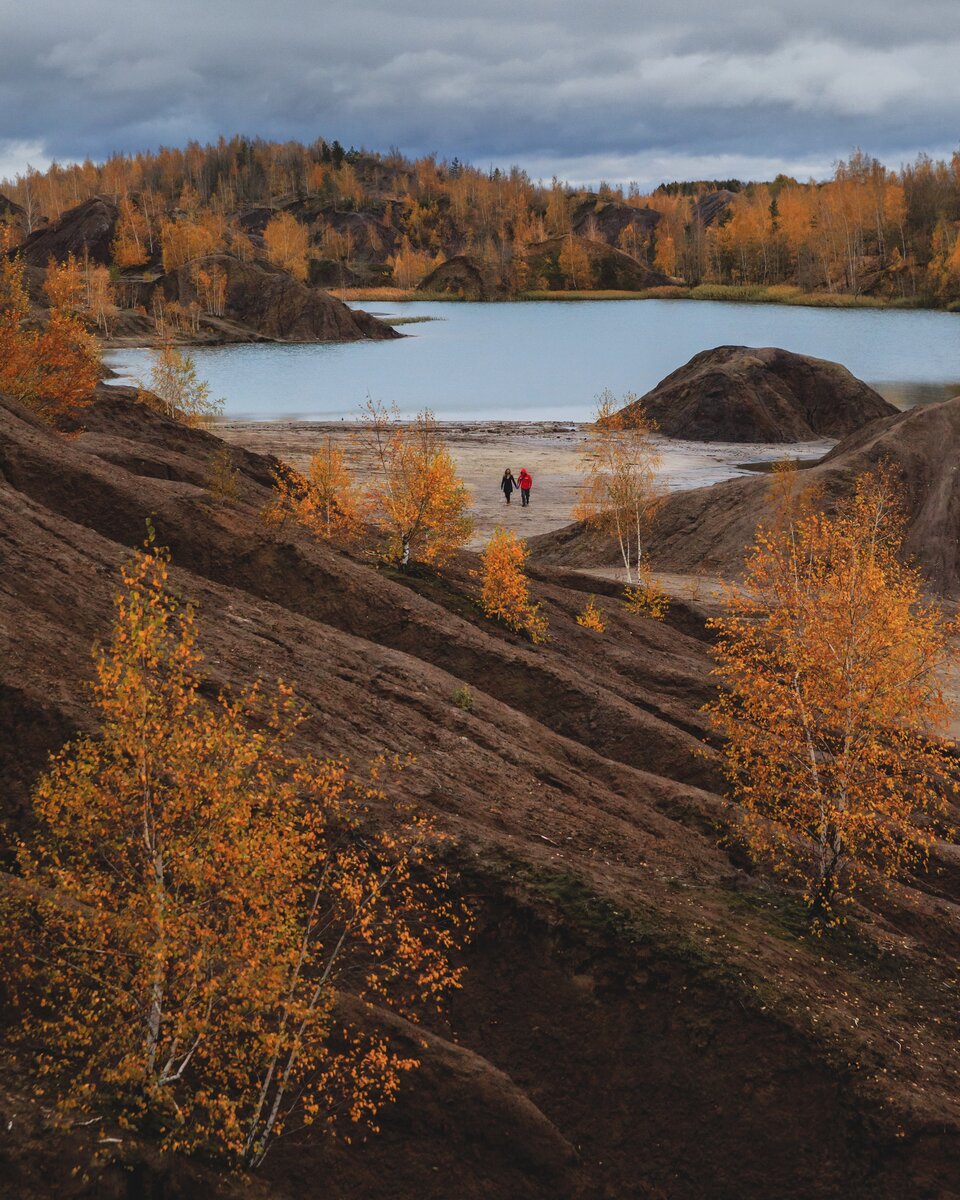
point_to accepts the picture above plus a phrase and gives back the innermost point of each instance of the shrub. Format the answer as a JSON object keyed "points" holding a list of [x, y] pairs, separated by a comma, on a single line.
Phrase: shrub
{"points": [[592, 617], [504, 592]]}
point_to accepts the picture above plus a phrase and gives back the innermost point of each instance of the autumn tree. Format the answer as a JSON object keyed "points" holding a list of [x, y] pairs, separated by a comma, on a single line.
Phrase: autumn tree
{"points": [[174, 386], [187, 238], [324, 500], [287, 243], [54, 370], [504, 591], [131, 242], [574, 263], [211, 284], [195, 894], [619, 493], [417, 498], [830, 668]]}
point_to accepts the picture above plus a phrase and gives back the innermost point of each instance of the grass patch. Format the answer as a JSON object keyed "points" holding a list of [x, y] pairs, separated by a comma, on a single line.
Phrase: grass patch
{"points": [[409, 320], [754, 293]]}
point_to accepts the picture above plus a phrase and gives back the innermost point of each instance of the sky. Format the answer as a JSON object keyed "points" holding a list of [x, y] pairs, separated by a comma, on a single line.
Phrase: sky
{"points": [[645, 90]]}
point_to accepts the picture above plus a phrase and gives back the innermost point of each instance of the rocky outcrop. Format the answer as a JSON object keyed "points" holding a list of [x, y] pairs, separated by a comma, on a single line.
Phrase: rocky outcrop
{"points": [[11, 213], [459, 276], [742, 394], [85, 232], [596, 218], [268, 301]]}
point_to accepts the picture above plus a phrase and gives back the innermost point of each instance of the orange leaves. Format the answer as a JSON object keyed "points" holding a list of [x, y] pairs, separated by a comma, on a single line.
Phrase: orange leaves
{"points": [[53, 371], [830, 661], [287, 243], [504, 595], [323, 500], [131, 243], [196, 894], [190, 237], [418, 500], [592, 617]]}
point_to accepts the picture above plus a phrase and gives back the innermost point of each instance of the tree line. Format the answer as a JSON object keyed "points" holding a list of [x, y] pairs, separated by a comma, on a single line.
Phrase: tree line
{"points": [[350, 217]]}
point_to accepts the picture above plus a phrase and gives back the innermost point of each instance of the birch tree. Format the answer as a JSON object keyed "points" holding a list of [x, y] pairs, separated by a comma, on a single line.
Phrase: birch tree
{"points": [[619, 493], [830, 665], [195, 893]]}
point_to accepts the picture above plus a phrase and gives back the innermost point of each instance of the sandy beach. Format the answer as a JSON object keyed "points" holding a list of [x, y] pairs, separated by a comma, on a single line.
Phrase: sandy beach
{"points": [[550, 451]]}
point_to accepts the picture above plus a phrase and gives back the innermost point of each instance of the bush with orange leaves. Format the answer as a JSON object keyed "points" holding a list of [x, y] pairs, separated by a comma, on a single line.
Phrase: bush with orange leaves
{"points": [[504, 595], [592, 617], [830, 665], [194, 894], [417, 498], [54, 370], [323, 500]]}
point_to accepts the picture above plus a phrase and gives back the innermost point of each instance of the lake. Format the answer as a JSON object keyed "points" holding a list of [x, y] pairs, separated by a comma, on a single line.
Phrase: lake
{"points": [[548, 360]]}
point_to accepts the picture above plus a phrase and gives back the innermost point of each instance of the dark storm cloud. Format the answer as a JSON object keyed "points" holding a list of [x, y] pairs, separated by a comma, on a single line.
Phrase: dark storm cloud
{"points": [[619, 89]]}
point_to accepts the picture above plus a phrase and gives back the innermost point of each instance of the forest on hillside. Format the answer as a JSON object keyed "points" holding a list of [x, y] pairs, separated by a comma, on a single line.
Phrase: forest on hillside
{"points": [[348, 218]]}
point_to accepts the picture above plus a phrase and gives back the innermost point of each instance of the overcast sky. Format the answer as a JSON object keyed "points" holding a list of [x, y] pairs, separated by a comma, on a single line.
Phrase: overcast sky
{"points": [[615, 89]]}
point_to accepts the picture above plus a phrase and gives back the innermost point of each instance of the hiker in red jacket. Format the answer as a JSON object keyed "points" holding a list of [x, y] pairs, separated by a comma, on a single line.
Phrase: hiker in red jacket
{"points": [[525, 483]]}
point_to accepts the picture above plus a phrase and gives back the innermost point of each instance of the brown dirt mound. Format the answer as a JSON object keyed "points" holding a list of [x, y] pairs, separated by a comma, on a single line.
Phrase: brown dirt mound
{"points": [[84, 231], [640, 1016], [711, 207], [610, 267], [607, 219], [267, 300], [708, 529], [741, 394], [458, 276]]}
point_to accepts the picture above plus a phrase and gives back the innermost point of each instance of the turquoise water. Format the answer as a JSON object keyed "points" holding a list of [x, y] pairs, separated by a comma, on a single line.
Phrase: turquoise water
{"points": [[547, 361]]}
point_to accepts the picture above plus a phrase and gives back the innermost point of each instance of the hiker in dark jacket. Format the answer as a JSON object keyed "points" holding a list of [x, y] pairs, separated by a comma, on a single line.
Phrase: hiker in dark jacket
{"points": [[524, 483], [508, 484]]}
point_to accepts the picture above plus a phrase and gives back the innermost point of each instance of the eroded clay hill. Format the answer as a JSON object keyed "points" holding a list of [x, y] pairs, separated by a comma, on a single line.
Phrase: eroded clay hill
{"points": [[709, 529], [261, 302], [641, 1016], [742, 394]]}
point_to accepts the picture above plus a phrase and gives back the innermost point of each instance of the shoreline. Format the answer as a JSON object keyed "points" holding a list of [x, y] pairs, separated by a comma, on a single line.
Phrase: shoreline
{"points": [[785, 296], [550, 450]]}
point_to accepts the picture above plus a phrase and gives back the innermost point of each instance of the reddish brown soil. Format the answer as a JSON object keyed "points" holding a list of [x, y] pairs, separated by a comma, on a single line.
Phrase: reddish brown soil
{"points": [[642, 1016]]}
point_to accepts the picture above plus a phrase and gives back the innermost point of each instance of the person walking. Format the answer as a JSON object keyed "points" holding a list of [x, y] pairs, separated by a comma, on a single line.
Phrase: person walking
{"points": [[508, 484], [524, 483]]}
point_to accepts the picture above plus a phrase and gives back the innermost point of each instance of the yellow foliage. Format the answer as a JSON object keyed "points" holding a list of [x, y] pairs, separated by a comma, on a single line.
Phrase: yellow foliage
{"points": [[504, 594], [417, 498], [830, 662], [53, 371], [647, 597], [592, 617], [322, 500], [287, 243], [195, 893]]}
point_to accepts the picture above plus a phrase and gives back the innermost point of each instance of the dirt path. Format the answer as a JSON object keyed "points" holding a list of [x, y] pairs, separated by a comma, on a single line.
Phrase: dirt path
{"points": [[550, 451]]}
